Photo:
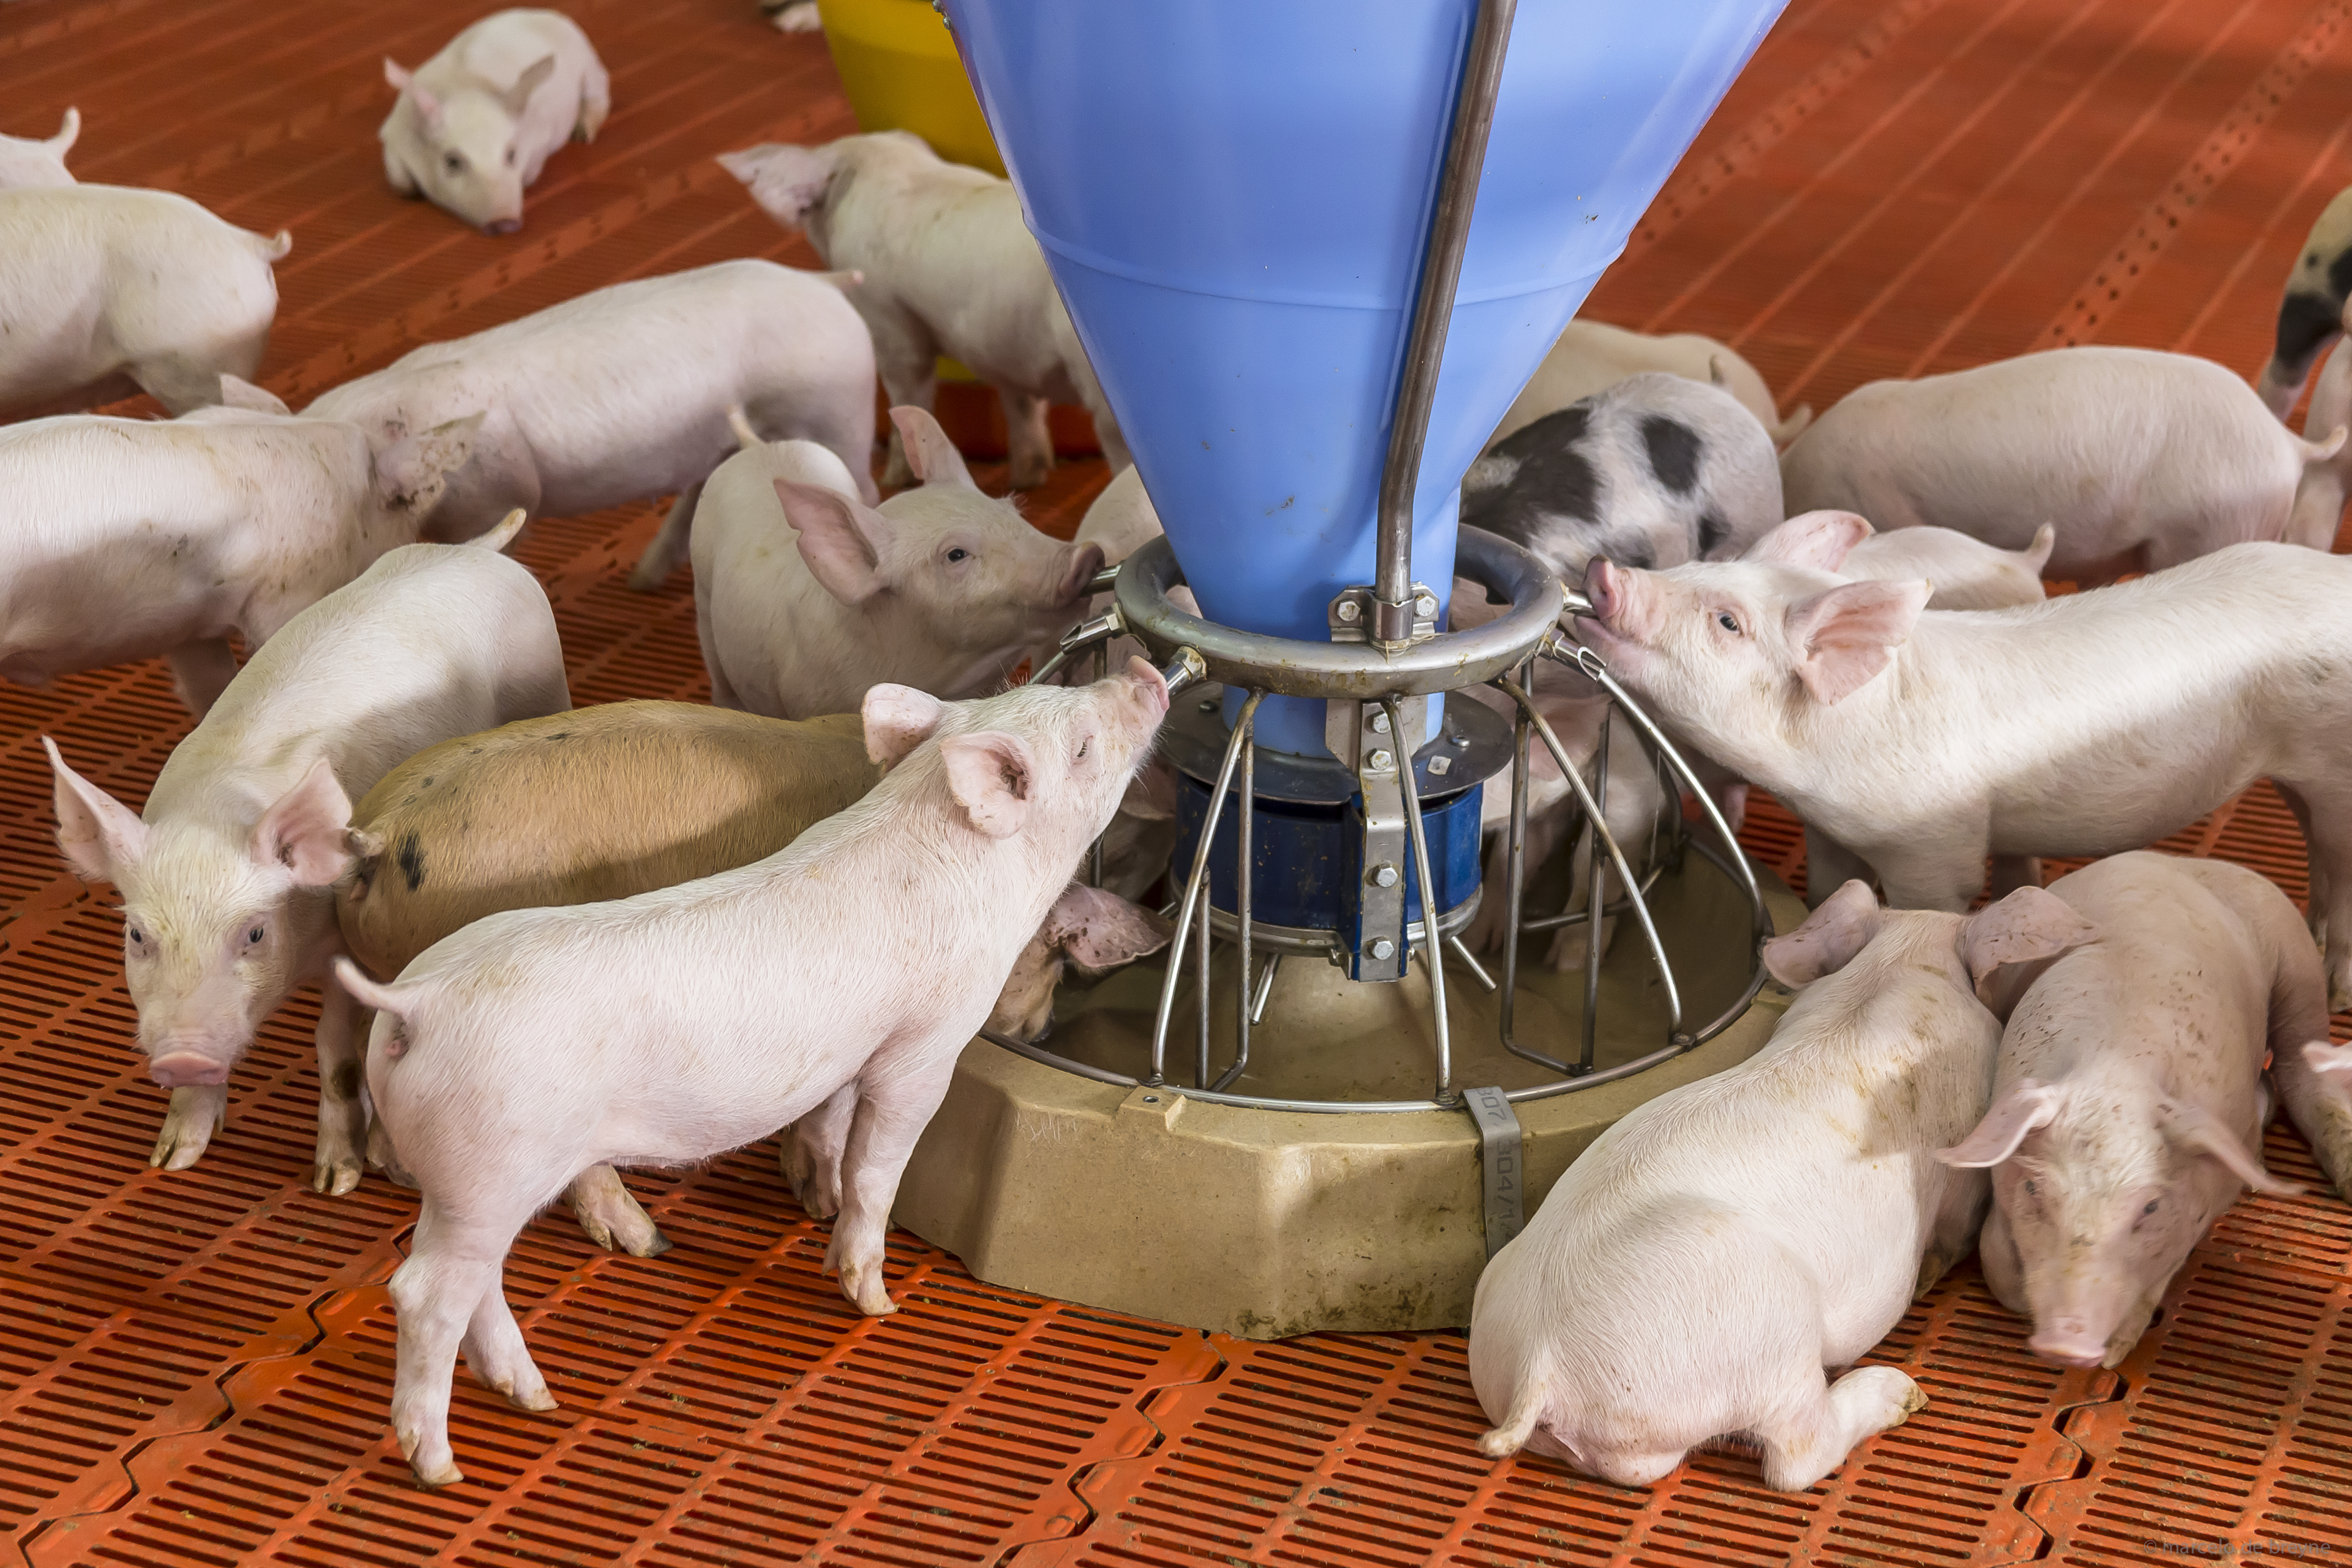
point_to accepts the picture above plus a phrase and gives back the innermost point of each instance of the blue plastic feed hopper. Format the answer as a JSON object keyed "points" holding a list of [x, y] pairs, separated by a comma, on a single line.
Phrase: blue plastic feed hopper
{"points": [[1235, 197]]}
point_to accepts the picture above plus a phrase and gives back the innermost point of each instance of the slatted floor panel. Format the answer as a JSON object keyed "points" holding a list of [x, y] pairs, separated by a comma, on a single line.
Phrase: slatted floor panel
{"points": [[194, 1367]]}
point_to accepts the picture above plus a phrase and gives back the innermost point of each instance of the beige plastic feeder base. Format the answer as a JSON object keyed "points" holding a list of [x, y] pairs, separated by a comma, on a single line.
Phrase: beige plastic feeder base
{"points": [[1266, 1224]]}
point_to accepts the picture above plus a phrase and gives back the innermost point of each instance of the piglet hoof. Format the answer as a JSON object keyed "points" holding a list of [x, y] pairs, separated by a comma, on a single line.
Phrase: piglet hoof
{"points": [[866, 1291], [335, 1175], [1914, 1402], [178, 1147], [537, 1400], [648, 576], [433, 1469]]}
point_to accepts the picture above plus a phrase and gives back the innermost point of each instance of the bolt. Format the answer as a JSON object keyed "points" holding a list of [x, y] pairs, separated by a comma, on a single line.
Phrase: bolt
{"points": [[1383, 949], [1384, 875], [1210, 704], [1348, 612], [1461, 742], [1151, 1099], [1380, 723], [1381, 761], [1440, 766], [1424, 606]]}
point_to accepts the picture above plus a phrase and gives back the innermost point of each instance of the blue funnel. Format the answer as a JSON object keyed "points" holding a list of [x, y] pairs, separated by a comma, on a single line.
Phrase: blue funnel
{"points": [[1235, 197]]}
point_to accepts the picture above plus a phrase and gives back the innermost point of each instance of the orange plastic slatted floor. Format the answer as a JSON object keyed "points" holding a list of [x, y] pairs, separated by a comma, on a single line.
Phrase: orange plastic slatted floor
{"points": [[193, 1368]]}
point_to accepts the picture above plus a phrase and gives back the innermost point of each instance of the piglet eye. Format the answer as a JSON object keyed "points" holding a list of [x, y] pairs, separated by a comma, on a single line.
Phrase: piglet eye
{"points": [[1082, 747], [253, 936], [1727, 621], [958, 554], [452, 162], [2151, 1207], [138, 938], [2031, 1190], [510, 157]]}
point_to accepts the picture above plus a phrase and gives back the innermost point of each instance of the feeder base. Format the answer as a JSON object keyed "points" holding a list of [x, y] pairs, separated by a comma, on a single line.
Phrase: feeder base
{"points": [[1266, 1224]]}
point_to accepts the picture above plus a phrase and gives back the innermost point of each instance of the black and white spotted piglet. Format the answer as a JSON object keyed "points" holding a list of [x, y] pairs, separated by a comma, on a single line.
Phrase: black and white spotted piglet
{"points": [[1656, 469], [2311, 311]]}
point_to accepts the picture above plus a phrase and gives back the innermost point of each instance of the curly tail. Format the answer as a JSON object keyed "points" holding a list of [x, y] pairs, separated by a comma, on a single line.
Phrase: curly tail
{"points": [[1791, 428], [746, 438], [501, 536], [2320, 451], [277, 246]]}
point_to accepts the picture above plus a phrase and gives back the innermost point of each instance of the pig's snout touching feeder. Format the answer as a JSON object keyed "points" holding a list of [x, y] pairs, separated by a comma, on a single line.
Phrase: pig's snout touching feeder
{"points": [[1313, 251]]}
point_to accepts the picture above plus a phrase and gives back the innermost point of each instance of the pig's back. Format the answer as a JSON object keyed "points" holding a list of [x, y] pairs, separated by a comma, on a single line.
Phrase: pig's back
{"points": [[585, 806], [432, 641]]}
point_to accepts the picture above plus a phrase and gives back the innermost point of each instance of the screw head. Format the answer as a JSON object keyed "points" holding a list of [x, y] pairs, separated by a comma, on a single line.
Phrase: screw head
{"points": [[1349, 611], [1383, 949], [1151, 1099], [1424, 606], [1210, 705], [1459, 742], [1439, 766], [1380, 723], [1381, 761], [1384, 875]]}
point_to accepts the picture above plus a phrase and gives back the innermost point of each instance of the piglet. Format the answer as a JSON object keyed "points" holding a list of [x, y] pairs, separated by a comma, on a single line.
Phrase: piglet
{"points": [[2141, 459], [804, 598], [1697, 1267], [1967, 574], [225, 520], [1593, 356], [946, 265], [225, 877], [30, 163], [1654, 471], [2130, 1100], [619, 799], [625, 393], [104, 278], [2091, 724], [474, 125], [709, 1015]]}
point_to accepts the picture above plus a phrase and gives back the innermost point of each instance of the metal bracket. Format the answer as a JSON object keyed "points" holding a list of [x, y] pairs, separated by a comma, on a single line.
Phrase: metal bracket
{"points": [[1506, 1172], [1379, 942], [1352, 612]]}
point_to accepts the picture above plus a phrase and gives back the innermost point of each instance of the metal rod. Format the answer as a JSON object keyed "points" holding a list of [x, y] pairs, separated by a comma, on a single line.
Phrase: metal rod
{"points": [[1462, 955], [1433, 314], [1264, 987], [1245, 856], [1578, 917], [1433, 946], [1191, 899], [1596, 882], [1515, 872], [1605, 839]]}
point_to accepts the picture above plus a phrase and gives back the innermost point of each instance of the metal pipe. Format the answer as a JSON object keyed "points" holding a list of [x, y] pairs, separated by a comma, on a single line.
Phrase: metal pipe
{"points": [[1433, 314], [1596, 882], [1433, 945], [1244, 852], [1515, 871], [1192, 886]]}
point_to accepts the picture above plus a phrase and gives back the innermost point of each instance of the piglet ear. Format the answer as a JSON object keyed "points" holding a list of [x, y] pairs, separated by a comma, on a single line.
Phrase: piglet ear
{"points": [[1819, 540], [1843, 638], [237, 393], [413, 473], [897, 719], [989, 774], [2026, 1108], [1828, 940], [100, 835], [1099, 931], [397, 74], [2197, 1131], [930, 453], [518, 98], [2326, 1057], [840, 539], [789, 182], [2029, 926], [306, 830]]}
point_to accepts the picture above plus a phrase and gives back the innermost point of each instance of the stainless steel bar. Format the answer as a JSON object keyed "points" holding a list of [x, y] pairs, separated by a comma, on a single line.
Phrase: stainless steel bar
{"points": [[1602, 837], [1578, 917], [1191, 900], [1463, 956], [1515, 880], [1596, 882], [1264, 987], [1433, 314], [1433, 945], [1245, 854]]}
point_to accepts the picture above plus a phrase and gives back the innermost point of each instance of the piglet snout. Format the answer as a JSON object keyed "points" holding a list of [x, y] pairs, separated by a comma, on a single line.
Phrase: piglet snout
{"points": [[186, 1070], [1604, 588], [2068, 1344], [1150, 684]]}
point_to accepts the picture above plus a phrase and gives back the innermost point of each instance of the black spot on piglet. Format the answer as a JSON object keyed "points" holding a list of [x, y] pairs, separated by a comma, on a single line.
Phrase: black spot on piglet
{"points": [[1673, 448], [412, 861], [1712, 531]]}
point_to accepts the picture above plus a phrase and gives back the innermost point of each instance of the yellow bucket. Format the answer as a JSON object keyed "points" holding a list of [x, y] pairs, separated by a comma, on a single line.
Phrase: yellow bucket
{"points": [[899, 67]]}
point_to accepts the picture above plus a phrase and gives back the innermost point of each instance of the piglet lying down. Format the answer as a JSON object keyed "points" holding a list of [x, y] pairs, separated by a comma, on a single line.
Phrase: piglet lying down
{"points": [[1698, 1267], [697, 1018]]}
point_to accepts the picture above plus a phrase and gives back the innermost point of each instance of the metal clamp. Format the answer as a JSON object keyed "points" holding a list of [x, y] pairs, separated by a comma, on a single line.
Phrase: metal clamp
{"points": [[1353, 614]]}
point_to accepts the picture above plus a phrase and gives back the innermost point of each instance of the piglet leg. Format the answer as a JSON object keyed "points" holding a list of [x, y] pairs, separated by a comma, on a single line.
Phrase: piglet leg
{"points": [[669, 546], [440, 1296], [201, 671], [195, 1115], [342, 1119], [893, 1107], [612, 1217], [1810, 1441], [809, 1154]]}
